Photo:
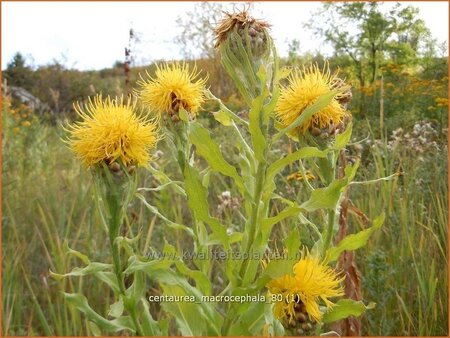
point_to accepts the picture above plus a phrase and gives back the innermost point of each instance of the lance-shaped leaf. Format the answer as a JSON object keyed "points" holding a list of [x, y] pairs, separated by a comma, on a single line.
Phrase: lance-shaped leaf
{"points": [[328, 197], [116, 325], [342, 139], [167, 259], [293, 210], [198, 203], [196, 318], [90, 269], [210, 151], [150, 326], [354, 241], [345, 308]]}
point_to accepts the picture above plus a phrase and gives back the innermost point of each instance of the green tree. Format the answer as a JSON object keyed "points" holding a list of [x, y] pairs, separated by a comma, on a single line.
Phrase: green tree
{"points": [[369, 36], [18, 74]]}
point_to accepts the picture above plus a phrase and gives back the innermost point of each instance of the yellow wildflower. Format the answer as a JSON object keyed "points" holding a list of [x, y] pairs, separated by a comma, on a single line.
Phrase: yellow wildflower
{"points": [[298, 176], [441, 101], [303, 90], [110, 130], [26, 123], [311, 283], [174, 86]]}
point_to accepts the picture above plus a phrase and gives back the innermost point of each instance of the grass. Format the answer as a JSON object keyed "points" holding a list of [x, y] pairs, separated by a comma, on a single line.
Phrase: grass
{"points": [[47, 201], [405, 267]]}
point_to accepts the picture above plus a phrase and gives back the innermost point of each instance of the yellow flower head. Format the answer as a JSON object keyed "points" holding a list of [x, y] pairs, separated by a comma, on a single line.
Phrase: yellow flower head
{"points": [[110, 130], [174, 86], [311, 283], [304, 88]]}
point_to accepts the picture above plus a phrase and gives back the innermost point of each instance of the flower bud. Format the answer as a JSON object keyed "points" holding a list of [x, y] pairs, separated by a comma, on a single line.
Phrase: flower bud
{"points": [[245, 46], [251, 33]]}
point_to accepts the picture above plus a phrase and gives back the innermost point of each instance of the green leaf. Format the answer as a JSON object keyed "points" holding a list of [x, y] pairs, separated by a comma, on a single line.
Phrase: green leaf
{"points": [[210, 151], [90, 269], [342, 139], [81, 303], [116, 309], [293, 210], [197, 194], [110, 279], [292, 243], [355, 241], [184, 115], [224, 109], [251, 322], [95, 330], [169, 257], [345, 308], [198, 203], [78, 254], [328, 197], [273, 328], [277, 268], [135, 292], [223, 118], [187, 315], [161, 187], [164, 179], [201, 280], [149, 325], [194, 318], [325, 198]]}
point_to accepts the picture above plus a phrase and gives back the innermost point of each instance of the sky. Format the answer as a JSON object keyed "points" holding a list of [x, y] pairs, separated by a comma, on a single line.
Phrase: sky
{"points": [[92, 35]]}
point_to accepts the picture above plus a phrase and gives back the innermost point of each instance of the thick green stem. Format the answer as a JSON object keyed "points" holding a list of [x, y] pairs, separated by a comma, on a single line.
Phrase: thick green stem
{"points": [[329, 171], [253, 224], [329, 233], [260, 177], [116, 217]]}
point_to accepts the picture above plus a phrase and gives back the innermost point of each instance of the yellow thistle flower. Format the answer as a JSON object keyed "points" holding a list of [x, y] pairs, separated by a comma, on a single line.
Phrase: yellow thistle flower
{"points": [[174, 86], [110, 130], [311, 283], [303, 90]]}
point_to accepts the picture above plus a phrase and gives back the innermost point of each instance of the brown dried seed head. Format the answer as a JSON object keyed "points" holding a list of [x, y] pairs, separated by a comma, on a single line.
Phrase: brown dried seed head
{"points": [[241, 20]]}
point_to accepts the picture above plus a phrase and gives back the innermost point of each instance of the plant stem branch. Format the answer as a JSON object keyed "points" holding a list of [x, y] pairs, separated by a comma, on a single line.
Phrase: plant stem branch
{"points": [[116, 217]]}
